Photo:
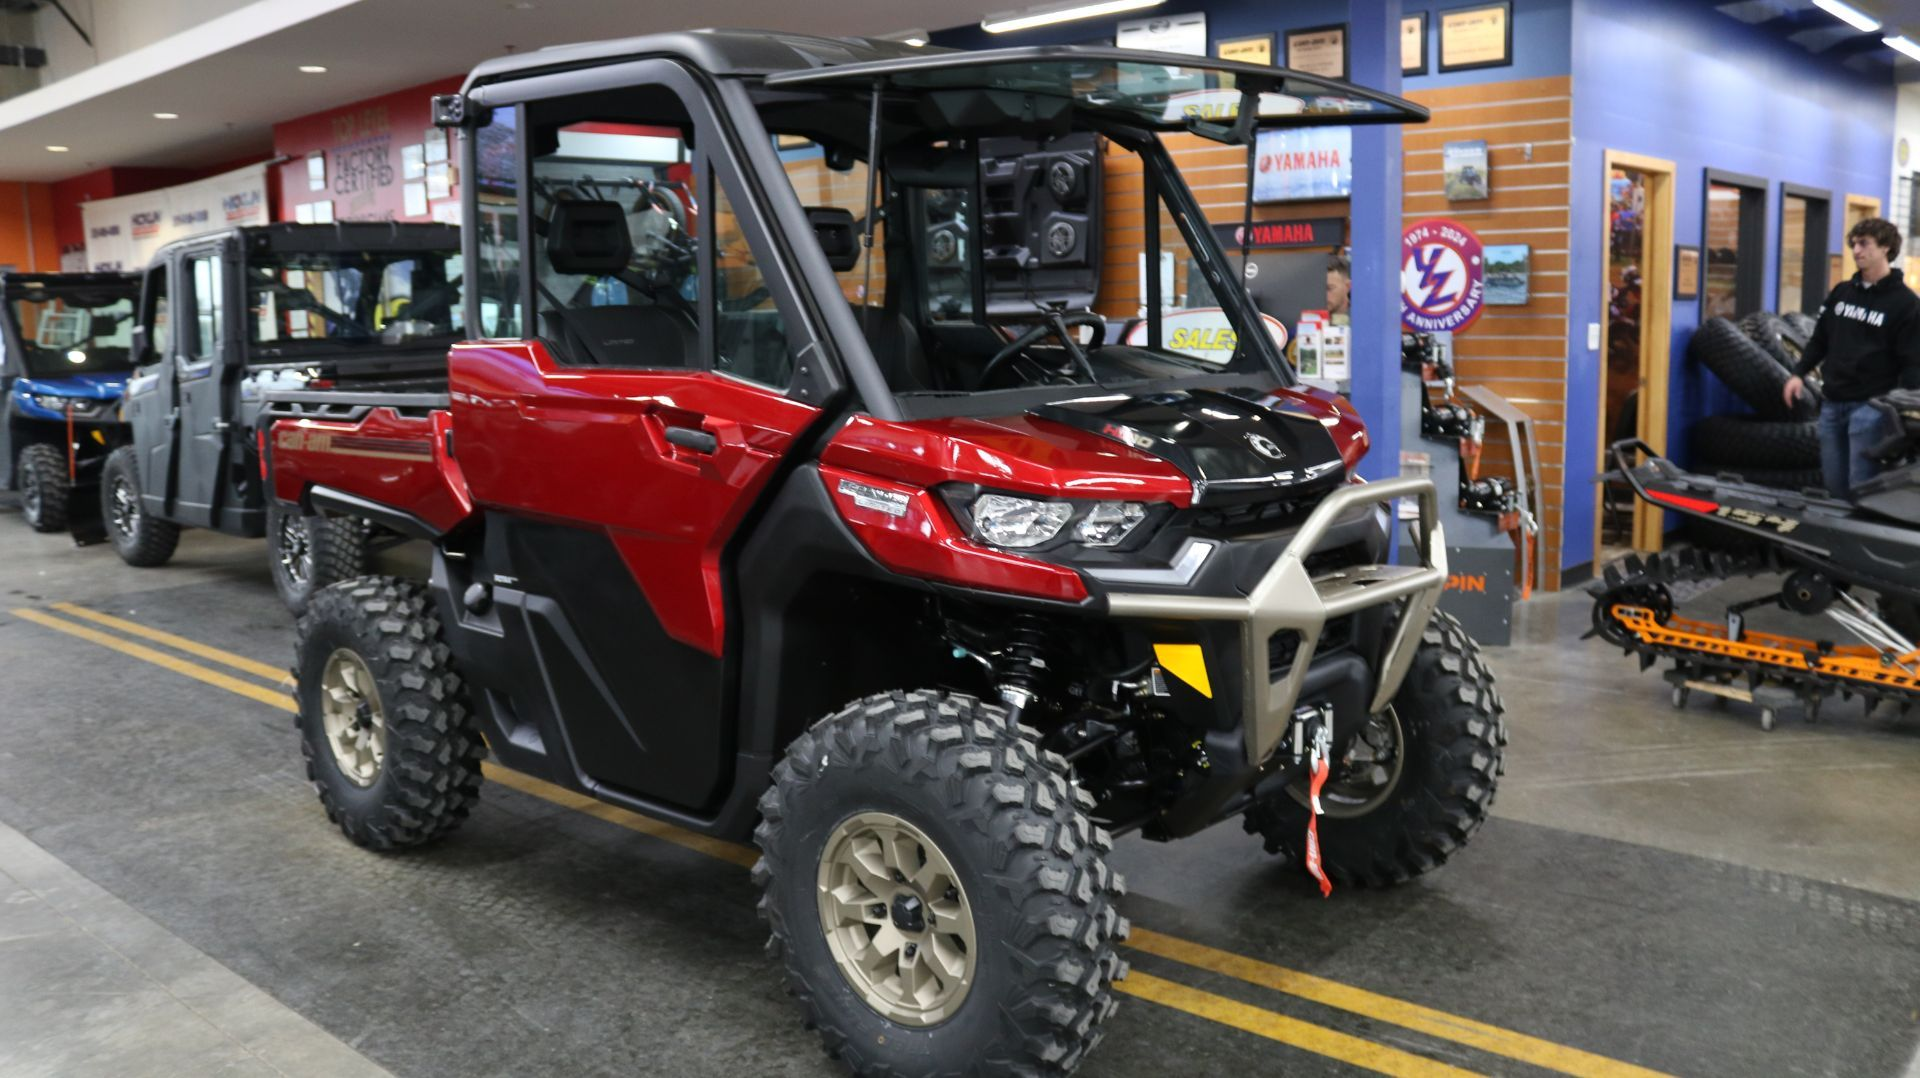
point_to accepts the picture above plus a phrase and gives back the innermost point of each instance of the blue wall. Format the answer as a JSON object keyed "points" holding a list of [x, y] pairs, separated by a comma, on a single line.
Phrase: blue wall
{"points": [[1675, 79]]}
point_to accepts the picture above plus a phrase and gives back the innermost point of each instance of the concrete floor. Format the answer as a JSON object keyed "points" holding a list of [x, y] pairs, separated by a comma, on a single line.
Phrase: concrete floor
{"points": [[1676, 891]]}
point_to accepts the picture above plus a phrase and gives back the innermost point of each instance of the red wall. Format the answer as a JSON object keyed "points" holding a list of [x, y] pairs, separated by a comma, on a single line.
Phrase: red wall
{"points": [[362, 143]]}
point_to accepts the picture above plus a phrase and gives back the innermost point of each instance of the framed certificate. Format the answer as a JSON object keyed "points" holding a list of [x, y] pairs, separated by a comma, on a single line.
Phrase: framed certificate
{"points": [[1686, 271], [1413, 44], [1320, 50], [1257, 49], [1477, 36]]}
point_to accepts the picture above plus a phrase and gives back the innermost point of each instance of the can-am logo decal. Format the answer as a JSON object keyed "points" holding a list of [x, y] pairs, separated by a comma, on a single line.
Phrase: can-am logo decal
{"points": [[1442, 276], [192, 217], [1266, 447], [103, 232]]}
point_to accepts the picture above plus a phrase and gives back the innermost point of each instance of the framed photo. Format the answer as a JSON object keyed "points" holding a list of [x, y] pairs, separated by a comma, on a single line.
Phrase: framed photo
{"points": [[1686, 271], [1477, 36], [1508, 269], [1413, 44], [1184, 34], [1464, 170], [1257, 49], [1319, 50]]}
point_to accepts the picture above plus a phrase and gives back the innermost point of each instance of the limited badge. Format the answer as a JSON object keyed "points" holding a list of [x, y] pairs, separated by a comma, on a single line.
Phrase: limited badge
{"points": [[1266, 447]]}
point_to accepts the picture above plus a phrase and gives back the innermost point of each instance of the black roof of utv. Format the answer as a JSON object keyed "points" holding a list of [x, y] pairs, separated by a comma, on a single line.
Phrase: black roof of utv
{"points": [[720, 52]]}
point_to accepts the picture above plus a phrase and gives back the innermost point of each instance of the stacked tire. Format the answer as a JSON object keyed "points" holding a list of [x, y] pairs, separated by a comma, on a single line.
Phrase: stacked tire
{"points": [[1778, 445]]}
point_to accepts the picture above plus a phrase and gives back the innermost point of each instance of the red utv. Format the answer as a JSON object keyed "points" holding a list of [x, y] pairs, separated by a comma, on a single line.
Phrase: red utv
{"points": [[871, 513]]}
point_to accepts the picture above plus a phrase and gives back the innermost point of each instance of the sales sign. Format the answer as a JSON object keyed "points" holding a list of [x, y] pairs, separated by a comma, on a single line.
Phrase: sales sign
{"points": [[1442, 276]]}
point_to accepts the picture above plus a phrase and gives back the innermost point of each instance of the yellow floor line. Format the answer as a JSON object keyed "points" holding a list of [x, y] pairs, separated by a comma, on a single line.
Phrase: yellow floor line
{"points": [[274, 674], [1278, 1027], [270, 697], [1355, 1050], [1466, 1031]]}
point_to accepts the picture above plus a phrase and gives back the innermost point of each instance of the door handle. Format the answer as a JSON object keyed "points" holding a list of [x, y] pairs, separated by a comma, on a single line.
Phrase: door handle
{"points": [[699, 441]]}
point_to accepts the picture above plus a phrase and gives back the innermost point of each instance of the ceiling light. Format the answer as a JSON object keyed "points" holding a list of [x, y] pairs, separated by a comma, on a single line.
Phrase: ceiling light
{"points": [[1902, 44], [313, 69], [1852, 16], [166, 116], [56, 149], [1008, 21]]}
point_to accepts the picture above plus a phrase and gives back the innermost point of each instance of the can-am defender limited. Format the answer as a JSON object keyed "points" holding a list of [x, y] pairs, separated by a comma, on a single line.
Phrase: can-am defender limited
{"points": [[867, 513]]}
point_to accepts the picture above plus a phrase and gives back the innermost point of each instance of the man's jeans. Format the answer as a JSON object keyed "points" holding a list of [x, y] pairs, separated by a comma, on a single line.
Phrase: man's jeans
{"points": [[1847, 430]]}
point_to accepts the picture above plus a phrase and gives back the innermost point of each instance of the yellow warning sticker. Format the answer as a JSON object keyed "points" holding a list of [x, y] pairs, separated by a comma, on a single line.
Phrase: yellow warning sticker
{"points": [[1186, 662]]}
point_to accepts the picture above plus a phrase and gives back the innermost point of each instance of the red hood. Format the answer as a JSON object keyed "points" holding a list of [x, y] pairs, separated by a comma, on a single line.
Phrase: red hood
{"points": [[1021, 453], [1030, 455]]}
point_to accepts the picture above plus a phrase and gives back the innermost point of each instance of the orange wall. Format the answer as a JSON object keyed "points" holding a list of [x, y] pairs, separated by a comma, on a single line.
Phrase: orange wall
{"points": [[26, 210]]}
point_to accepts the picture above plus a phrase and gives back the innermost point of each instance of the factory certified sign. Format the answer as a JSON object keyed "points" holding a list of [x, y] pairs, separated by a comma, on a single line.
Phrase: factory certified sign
{"points": [[1442, 276]]}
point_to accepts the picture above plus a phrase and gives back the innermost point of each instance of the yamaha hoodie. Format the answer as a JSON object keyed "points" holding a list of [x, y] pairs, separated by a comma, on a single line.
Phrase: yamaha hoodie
{"points": [[1868, 339]]}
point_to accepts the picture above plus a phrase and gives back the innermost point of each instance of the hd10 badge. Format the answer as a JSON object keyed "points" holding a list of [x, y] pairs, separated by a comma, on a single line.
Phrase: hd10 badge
{"points": [[1442, 276]]}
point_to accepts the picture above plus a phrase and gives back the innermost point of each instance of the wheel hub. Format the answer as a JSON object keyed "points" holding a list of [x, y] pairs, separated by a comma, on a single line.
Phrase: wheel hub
{"points": [[126, 508], [296, 552], [896, 919], [30, 495], [355, 726]]}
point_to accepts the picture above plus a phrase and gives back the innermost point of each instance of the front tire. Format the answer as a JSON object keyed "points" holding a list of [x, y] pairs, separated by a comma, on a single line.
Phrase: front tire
{"points": [[1438, 783], [42, 483], [905, 825], [137, 537], [308, 553], [392, 746]]}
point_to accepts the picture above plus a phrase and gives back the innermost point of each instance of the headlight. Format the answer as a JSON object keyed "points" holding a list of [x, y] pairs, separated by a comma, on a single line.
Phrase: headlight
{"points": [[1107, 523], [56, 404], [1018, 523]]}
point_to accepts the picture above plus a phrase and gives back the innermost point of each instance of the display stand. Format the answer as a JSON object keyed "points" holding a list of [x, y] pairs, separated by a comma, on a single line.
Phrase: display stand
{"points": [[1480, 584]]}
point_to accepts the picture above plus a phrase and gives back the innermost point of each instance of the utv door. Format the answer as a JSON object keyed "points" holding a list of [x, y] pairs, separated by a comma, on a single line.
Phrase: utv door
{"points": [[205, 349], [618, 452], [149, 396]]}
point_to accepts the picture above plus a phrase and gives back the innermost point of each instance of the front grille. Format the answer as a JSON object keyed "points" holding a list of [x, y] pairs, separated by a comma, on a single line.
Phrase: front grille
{"points": [[1245, 519], [1321, 562], [1283, 647]]}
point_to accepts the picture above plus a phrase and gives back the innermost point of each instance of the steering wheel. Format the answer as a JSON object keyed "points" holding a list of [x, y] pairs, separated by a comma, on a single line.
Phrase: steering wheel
{"points": [[1055, 325]]}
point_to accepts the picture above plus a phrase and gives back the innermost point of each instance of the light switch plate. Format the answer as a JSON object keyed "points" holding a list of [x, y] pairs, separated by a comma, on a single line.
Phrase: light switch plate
{"points": [[1593, 336]]}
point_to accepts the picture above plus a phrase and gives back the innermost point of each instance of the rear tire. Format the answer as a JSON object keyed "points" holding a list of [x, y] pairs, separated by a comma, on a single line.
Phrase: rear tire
{"points": [[1452, 737], [1775, 336], [308, 553], [392, 746], [1024, 873], [43, 487], [136, 536]]}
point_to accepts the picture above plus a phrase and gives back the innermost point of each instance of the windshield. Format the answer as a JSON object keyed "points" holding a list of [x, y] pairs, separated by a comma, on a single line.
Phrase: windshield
{"points": [[74, 332], [304, 302], [1070, 255]]}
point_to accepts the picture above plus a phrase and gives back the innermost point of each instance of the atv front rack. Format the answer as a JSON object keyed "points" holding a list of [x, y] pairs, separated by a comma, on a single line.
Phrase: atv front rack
{"points": [[1286, 598]]}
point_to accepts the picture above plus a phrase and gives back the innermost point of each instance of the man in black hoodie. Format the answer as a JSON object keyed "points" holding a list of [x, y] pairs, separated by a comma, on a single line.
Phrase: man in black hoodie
{"points": [[1868, 338]]}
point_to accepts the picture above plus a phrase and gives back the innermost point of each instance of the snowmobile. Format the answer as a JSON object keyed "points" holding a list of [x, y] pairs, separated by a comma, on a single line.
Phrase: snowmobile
{"points": [[1830, 552]]}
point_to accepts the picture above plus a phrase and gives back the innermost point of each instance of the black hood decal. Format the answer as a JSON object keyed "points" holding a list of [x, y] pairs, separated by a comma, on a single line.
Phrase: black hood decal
{"points": [[1234, 450]]}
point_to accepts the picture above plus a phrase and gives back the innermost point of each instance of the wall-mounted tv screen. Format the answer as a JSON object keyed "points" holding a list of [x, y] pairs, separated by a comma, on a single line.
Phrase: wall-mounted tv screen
{"points": [[1297, 164]]}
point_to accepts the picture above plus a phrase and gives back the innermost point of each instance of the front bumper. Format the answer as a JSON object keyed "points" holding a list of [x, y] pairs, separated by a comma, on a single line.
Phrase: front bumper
{"points": [[1286, 598]]}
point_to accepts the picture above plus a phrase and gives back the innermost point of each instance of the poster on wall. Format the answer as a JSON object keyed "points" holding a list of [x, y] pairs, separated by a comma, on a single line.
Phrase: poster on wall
{"points": [[1442, 282], [1320, 50], [1257, 49], [1478, 36], [1294, 164], [1413, 44], [1183, 34], [1508, 269], [1464, 169], [123, 233]]}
